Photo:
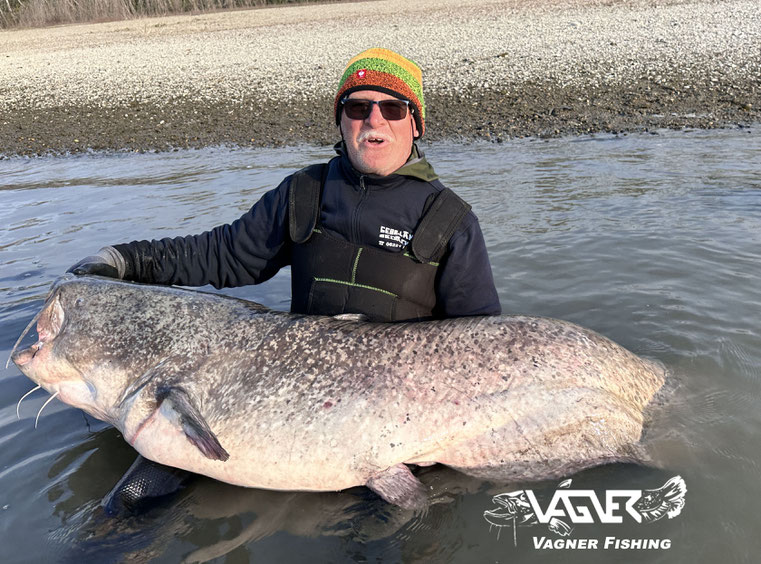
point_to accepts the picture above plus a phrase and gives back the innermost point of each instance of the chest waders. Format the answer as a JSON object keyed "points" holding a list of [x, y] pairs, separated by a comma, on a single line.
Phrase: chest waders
{"points": [[330, 276]]}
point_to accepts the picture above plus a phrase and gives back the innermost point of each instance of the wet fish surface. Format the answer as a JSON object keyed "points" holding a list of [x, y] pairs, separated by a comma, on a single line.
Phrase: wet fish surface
{"points": [[267, 399]]}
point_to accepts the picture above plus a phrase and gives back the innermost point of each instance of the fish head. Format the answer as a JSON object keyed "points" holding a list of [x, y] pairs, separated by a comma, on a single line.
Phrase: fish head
{"points": [[72, 355], [513, 506]]}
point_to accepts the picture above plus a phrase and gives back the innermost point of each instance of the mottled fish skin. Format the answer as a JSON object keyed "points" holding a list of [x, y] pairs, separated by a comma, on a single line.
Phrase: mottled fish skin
{"points": [[316, 403]]}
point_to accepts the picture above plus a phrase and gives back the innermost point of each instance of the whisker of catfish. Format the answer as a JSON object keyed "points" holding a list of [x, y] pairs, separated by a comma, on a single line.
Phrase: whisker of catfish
{"points": [[51, 398], [18, 415]]}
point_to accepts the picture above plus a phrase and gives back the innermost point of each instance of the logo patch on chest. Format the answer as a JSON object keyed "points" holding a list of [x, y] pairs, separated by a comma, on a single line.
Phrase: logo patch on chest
{"points": [[393, 238]]}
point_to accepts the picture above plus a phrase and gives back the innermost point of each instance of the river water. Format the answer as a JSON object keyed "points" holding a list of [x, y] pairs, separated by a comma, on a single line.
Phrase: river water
{"points": [[653, 240]]}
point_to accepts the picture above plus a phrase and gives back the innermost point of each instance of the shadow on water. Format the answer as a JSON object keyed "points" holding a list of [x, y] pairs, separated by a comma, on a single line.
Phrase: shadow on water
{"points": [[210, 519], [652, 241]]}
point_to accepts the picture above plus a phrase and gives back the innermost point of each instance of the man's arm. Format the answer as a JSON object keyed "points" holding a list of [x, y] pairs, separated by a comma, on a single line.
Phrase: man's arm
{"points": [[249, 250], [466, 284]]}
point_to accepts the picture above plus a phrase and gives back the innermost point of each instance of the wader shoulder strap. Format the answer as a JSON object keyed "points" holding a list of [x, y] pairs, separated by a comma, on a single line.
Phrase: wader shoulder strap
{"points": [[438, 225], [304, 201]]}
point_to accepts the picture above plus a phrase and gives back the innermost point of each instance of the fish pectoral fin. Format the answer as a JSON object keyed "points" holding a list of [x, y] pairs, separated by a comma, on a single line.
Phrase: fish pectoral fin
{"points": [[397, 485], [193, 424]]}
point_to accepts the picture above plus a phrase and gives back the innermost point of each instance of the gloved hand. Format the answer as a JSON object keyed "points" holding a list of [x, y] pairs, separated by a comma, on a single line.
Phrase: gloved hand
{"points": [[108, 262]]}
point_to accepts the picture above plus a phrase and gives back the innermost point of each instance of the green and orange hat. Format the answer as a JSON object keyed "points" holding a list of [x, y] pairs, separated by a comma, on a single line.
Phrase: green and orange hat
{"points": [[384, 71]]}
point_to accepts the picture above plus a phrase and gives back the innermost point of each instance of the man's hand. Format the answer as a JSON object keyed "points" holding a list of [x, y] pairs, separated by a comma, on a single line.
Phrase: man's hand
{"points": [[108, 262]]}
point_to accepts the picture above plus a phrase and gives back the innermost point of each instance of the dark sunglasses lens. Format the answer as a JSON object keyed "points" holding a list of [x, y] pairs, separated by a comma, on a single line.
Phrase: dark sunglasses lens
{"points": [[390, 109], [357, 109], [393, 109]]}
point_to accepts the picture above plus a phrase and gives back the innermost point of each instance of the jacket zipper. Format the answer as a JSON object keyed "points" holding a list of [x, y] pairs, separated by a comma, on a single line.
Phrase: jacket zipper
{"points": [[355, 220]]}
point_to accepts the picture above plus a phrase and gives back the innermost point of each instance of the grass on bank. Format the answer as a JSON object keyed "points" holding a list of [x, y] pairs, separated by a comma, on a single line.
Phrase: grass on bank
{"points": [[40, 13]]}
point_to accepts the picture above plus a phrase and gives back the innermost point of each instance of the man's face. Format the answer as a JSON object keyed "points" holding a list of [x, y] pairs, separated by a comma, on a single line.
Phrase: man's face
{"points": [[377, 145]]}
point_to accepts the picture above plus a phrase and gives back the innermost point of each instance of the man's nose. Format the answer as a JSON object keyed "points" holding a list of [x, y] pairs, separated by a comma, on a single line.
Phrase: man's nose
{"points": [[375, 117]]}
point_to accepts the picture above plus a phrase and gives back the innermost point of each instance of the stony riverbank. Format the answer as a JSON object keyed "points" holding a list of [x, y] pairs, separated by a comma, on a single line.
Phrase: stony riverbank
{"points": [[492, 70]]}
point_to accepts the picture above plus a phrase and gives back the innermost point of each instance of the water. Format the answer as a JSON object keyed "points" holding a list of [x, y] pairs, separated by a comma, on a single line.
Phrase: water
{"points": [[652, 240]]}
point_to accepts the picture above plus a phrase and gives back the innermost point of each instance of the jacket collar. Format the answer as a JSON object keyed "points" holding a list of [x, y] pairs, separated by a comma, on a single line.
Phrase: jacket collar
{"points": [[416, 167]]}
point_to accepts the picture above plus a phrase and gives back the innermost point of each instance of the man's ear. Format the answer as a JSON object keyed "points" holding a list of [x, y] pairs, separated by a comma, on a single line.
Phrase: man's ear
{"points": [[415, 132]]}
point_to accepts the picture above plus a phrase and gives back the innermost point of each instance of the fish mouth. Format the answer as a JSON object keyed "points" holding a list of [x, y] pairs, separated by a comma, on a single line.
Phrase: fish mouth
{"points": [[500, 516], [49, 323], [25, 356], [509, 510]]}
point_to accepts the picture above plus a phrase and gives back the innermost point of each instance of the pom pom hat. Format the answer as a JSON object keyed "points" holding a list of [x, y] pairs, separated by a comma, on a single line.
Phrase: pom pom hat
{"points": [[384, 71]]}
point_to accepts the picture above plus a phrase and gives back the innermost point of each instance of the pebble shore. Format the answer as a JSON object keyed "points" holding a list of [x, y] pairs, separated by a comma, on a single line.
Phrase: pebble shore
{"points": [[492, 69]]}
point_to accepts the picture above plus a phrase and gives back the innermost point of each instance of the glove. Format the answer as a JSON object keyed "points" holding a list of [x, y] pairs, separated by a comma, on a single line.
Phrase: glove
{"points": [[108, 262]]}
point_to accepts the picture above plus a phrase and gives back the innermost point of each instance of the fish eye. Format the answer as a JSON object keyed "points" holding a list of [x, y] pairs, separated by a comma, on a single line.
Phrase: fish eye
{"points": [[79, 302]]}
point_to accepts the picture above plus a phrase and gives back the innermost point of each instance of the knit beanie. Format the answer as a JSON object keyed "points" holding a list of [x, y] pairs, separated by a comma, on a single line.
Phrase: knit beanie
{"points": [[384, 71]]}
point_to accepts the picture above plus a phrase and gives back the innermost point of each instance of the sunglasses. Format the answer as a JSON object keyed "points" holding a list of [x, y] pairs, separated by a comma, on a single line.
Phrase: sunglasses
{"points": [[393, 110]]}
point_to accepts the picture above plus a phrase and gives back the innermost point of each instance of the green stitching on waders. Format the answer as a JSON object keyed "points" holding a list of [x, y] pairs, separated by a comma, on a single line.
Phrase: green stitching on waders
{"points": [[365, 286], [354, 268], [406, 254]]}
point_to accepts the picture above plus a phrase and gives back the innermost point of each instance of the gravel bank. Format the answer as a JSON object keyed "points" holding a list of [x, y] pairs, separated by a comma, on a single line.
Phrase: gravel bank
{"points": [[492, 70]]}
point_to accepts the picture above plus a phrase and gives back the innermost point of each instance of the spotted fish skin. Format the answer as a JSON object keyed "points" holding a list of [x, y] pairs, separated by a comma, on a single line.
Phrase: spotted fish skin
{"points": [[260, 398]]}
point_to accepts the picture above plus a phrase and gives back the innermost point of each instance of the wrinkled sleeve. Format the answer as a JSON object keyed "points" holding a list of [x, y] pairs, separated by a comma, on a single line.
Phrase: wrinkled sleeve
{"points": [[466, 284], [249, 250]]}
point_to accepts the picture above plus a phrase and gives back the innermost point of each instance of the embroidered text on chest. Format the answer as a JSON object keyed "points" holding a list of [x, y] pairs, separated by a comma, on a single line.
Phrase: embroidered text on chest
{"points": [[393, 238]]}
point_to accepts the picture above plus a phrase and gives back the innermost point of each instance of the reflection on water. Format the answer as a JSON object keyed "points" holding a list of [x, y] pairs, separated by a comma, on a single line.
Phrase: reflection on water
{"points": [[651, 240]]}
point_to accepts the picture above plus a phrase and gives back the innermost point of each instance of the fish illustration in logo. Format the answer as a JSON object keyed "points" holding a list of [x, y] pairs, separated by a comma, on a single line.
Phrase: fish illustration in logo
{"points": [[515, 510], [667, 500]]}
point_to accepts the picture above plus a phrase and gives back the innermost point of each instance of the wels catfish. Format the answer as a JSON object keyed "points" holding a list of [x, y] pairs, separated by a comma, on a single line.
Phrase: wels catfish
{"points": [[267, 399]]}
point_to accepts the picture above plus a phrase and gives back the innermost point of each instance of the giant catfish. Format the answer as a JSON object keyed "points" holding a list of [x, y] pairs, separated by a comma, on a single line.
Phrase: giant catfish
{"points": [[267, 399]]}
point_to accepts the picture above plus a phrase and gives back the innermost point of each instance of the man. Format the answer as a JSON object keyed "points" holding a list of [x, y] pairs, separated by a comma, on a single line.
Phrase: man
{"points": [[350, 244], [372, 232]]}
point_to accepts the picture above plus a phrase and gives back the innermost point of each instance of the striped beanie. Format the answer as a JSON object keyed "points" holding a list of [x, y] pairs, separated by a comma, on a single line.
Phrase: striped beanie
{"points": [[384, 71]]}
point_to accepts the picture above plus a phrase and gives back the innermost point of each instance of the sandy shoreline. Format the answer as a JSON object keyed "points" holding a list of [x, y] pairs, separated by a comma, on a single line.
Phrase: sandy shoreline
{"points": [[492, 70]]}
